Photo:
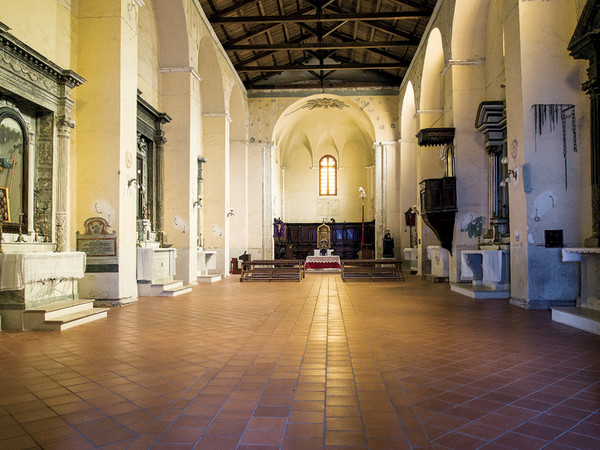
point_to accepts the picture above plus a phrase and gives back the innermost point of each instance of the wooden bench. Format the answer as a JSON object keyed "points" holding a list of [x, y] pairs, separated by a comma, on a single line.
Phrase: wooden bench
{"points": [[372, 269], [272, 269]]}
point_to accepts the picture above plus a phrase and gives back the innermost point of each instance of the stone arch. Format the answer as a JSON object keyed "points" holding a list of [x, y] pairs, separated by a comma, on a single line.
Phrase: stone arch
{"points": [[306, 131], [432, 98], [212, 88], [469, 29], [148, 62], [409, 127], [305, 122], [172, 33]]}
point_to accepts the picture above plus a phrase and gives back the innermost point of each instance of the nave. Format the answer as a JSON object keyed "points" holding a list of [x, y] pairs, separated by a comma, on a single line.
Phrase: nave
{"points": [[315, 364]]}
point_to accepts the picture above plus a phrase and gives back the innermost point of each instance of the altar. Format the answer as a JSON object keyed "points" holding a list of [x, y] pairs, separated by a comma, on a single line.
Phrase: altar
{"points": [[329, 263]]}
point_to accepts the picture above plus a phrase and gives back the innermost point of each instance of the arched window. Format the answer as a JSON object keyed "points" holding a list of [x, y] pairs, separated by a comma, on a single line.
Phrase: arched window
{"points": [[13, 169], [327, 175]]}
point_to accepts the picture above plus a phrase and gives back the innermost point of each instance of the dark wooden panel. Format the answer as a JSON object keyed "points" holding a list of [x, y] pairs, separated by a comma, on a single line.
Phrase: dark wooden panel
{"points": [[301, 239]]}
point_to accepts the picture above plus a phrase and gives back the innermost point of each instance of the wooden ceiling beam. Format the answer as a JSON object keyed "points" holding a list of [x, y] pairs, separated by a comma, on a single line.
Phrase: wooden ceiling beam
{"points": [[411, 3], [262, 55], [382, 26], [231, 9], [306, 67], [317, 45], [338, 17], [260, 30]]}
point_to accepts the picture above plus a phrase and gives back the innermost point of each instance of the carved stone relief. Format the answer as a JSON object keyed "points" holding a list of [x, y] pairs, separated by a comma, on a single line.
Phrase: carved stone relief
{"points": [[43, 175]]}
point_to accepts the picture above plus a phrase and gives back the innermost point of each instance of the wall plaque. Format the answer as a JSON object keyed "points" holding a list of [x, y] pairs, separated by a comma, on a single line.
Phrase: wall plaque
{"points": [[95, 241]]}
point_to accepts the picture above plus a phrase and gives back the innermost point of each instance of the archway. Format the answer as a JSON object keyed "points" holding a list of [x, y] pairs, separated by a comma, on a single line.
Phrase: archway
{"points": [[216, 150], [408, 162], [318, 126], [431, 114], [238, 147]]}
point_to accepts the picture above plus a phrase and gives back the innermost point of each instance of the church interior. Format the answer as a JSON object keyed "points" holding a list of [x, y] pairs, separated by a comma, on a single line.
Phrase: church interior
{"points": [[192, 192]]}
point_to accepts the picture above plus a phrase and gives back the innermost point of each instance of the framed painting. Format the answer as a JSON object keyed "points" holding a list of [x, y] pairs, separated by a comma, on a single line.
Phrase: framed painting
{"points": [[4, 209]]}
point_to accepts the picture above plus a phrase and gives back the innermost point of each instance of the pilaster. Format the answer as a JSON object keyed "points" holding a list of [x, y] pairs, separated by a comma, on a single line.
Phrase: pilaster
{"points": [[537, 34], [180, 88], [216, 187], [106, 133]]}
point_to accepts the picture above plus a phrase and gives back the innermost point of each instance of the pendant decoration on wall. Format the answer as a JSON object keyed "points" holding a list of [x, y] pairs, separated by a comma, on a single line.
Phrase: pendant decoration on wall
{"points": [[322, 102], [553, 115]]}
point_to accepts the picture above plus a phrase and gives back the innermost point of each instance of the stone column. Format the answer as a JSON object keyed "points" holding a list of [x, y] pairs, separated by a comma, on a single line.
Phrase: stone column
{"points": [[268, 151], [585, 44], [159, 170], [64, 125], [106, 138], [379, 199], [592, 88], [181, 99], [216, 187]]}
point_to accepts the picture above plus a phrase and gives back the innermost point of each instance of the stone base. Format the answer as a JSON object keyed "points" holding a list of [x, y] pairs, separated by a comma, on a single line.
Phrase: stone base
{"points": [[208, 278], [536, 304], [116, 302], [435, 278], [581, 318], [480, 291]]}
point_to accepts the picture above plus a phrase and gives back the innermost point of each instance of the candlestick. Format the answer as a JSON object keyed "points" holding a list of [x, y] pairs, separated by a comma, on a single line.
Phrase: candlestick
{"points": [[21, 238]]}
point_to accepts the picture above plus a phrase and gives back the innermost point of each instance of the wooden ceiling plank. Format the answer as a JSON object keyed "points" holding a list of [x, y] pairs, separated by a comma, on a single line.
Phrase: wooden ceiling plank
{"points": [[338, 17], [304, 67], [317, 45], [231, 9]]}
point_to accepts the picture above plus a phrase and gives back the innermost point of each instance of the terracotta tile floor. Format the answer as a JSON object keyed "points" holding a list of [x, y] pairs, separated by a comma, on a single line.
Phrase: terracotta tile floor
{"points": [[316, 364]]}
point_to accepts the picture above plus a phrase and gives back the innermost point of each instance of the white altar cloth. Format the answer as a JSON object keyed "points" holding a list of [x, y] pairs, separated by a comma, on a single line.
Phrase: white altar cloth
{"points": [[492, 265], [17, 269]]}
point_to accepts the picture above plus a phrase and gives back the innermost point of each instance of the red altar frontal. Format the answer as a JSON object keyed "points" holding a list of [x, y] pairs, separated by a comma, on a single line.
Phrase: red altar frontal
{"points": [[330, 263]]}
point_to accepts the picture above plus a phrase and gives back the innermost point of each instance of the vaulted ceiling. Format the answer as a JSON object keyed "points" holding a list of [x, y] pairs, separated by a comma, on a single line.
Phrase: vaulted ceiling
{"points": [[319, 43]]}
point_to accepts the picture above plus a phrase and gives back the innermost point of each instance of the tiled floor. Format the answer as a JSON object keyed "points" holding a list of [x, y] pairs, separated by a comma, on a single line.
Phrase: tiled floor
{"points": [[316, 364]]}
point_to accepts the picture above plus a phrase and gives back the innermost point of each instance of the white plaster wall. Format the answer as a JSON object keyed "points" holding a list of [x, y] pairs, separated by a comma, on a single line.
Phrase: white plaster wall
{"points": [[148, 55], [238, 198], [255, 200]]}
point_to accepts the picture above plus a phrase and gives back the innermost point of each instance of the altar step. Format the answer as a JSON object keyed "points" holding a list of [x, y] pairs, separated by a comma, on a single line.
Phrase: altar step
{"points": [[581, 318], [210, 278], [62, 315], [175, 288], [435, 278], [168, 289], [479, 292]]}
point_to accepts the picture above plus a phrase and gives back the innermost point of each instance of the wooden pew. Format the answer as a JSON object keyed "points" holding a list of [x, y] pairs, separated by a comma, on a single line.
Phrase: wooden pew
{"points": [[272, 269], [372, 269]]}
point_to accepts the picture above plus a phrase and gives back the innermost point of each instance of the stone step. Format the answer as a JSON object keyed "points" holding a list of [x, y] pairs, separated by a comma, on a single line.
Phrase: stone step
{"points": [[479, 292], [208, 278], [72, 320], [173, 291], [581, 318], [62, 315]]}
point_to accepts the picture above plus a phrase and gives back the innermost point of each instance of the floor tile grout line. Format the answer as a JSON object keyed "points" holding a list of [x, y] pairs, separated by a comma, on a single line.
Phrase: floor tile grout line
{"points": [[300, 294], [374, 359], [505, 404], [257, 328], [379, 368]]}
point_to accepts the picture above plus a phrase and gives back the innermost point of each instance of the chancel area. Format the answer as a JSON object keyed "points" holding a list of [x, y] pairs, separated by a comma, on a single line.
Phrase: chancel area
{"points": [[156, 153]]}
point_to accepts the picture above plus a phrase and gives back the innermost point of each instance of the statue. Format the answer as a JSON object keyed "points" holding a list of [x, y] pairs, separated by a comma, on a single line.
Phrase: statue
{"points": [[388, 245]]}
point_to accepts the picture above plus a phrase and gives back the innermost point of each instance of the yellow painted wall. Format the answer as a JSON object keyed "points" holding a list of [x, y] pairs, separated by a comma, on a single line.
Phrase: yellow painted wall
{"points": [[148, 55], [301, 200], [48, 26]]}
